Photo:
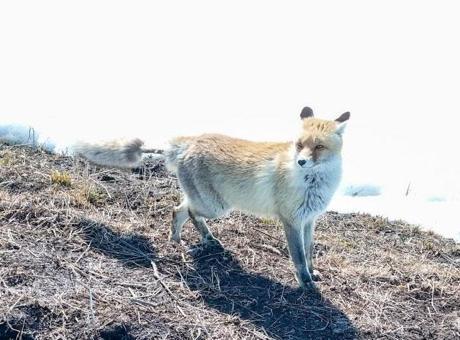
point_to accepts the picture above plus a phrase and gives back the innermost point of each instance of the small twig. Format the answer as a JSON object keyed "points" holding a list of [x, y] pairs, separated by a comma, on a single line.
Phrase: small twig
{"points": [[6, 183], [15, 304], [19, 336], [432, 298], [157, 277], [130, 284], [257, 334], [103, 187], [450, 260], [266, 234], [145, 303], [184, 282], [408, 189], [322, 318], [91, 303], [83, 254], [271, 248], [181, 311], [42, 174]]}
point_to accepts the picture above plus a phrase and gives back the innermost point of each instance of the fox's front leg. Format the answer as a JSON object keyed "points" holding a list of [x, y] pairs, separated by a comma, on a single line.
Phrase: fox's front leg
{"points": [[308, 239], [295, 242]]}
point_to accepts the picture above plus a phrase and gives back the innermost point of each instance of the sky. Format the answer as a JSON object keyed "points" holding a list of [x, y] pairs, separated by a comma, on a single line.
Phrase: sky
{"points": [[103, 69]]}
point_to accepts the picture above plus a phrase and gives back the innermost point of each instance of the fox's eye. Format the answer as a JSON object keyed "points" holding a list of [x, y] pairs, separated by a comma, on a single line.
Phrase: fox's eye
{"points": [[299, 145], [319, 147]]}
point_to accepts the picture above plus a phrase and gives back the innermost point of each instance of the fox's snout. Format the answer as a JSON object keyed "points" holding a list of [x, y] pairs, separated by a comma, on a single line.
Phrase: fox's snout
{"points": [[305, 162]]}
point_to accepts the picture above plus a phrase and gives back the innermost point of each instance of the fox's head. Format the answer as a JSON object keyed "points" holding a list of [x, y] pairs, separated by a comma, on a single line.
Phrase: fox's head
{"points": [[320, 140]]}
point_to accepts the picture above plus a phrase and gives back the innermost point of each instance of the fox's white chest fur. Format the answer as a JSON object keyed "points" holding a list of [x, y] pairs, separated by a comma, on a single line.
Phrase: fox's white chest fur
{"points": [[320, 185], [308, 192]]}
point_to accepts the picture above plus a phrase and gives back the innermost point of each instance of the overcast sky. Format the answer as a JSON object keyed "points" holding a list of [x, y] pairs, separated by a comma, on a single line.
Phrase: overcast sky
{"points": [[246, 68]]}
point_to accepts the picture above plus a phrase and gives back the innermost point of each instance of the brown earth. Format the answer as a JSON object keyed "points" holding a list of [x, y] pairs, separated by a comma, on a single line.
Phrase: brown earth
{"points": [[84, 255]]}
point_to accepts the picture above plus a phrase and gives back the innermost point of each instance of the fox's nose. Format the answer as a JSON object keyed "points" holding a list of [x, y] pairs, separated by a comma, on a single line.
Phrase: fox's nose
{"points": [[301, 162]]}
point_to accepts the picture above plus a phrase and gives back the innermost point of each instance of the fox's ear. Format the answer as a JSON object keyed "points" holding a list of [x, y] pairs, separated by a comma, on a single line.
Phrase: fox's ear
{"points": [[340, 128], [306, 112], [343, 117]]}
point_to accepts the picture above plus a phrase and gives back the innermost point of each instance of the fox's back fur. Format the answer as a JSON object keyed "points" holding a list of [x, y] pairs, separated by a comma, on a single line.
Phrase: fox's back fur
{"points": [[234, 172], [256, 177]]}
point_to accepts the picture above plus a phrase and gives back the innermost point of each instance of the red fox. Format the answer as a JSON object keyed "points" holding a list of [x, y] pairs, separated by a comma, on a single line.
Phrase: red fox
{"points": [[292, 181]]}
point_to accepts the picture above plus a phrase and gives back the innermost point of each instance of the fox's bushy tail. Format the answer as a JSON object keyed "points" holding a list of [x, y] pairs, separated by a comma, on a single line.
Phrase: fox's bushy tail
{"points": [[117, 153]]}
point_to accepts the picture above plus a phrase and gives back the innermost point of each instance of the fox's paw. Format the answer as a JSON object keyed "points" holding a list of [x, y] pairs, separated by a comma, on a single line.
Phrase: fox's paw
{"points": [[306, 284], [175, 238], [210, 241], [305, 280], [310, 285]]}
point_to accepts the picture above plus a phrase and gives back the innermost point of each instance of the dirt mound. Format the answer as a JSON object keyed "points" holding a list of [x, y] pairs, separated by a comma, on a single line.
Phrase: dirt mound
{"points": [[84, 255]]}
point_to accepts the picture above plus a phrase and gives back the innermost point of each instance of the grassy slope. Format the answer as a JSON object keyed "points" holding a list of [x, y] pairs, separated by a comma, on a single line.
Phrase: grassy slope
{"points": [[84, 254]]}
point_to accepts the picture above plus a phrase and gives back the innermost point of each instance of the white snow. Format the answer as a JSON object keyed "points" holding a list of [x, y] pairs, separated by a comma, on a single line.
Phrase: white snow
{"points": [[439, 217]]}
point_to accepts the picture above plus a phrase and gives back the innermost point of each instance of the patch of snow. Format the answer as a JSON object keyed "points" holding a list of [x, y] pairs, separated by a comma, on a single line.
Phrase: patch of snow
{"points": [[24, 134], [438, 216]]}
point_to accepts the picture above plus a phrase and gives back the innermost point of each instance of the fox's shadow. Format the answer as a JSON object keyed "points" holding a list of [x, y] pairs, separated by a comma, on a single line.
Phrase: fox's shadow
{"points": [[278, 310], [133, 250]]}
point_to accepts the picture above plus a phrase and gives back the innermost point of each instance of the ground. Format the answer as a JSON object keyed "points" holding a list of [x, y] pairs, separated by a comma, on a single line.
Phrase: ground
{"points": [[84, 254]]}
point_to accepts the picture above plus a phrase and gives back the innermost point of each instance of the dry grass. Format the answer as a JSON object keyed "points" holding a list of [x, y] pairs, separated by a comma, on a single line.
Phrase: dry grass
{"points": [[61, 178], [91, 260]]}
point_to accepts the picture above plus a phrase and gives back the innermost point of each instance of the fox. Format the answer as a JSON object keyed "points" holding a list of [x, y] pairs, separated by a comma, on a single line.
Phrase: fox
{"points": [[291, 181]]}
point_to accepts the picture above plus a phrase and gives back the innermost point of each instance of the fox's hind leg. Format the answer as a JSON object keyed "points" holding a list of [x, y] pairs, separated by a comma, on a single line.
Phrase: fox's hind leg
{"points": [[200, 224], [180, 216], [203, 200]]}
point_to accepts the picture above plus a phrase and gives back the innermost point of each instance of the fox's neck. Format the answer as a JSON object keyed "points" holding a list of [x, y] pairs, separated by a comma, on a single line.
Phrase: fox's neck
{"points": [[321, 184], [324, 177], [329, 173]]}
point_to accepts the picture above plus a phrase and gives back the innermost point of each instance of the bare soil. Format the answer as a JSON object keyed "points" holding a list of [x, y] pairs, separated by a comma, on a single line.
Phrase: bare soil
{"points": [[84, 254]]}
